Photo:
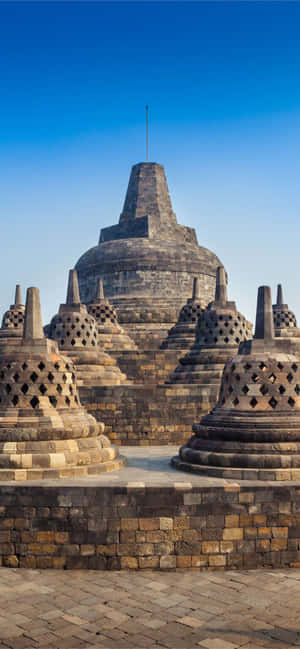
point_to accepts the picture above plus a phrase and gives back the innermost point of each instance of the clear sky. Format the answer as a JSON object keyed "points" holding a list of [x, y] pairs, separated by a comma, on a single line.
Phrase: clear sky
{"points": [[223, 84]]}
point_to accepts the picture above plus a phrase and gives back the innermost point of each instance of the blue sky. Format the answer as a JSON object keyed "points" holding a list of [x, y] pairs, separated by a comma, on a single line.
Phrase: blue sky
{"points": [[223, 84]]}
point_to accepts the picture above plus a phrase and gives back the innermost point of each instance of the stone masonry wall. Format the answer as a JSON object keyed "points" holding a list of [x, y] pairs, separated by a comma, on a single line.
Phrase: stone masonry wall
{"points": [[145, 415], [123, 527], [151, 366]]}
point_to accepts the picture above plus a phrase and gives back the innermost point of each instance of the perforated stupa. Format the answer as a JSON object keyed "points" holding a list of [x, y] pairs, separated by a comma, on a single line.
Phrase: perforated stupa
{"points": [[182, 335], [44, 430], [111, 336], [285, 322], [254, 430], [220, 329], [76, 333], [13, 319]]}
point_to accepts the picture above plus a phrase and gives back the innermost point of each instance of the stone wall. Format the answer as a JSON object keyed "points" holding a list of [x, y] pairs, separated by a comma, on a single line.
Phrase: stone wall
{"points": [[144, 415], [121, 527], [151, 366]]}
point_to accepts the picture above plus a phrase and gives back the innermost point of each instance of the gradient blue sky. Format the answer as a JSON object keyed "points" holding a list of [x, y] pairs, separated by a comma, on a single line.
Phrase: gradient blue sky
{"points": [[223, 84]]}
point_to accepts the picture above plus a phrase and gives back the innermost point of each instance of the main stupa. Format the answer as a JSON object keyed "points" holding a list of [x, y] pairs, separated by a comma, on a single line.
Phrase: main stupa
{"points": [[147, 262]]}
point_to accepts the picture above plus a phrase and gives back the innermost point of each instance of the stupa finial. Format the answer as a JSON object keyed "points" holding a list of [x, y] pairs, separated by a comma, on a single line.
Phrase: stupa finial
{"points": [[73, 295], [99, 290], [33, 327], [18, 297], [196, 289], [221, 287], [264, 325], [279, 301]]}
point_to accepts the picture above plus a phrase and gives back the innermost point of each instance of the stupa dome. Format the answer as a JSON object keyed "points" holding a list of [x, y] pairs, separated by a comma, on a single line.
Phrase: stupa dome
{"points": [[285, 322], [13, 319], [219, 331], [76, 333], [182, 335], [44, 430], [111, 336], [254, 430], [147, 261]]}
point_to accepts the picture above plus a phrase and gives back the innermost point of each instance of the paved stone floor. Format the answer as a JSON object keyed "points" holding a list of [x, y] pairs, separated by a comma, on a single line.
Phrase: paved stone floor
{"points": [[184, 610]]}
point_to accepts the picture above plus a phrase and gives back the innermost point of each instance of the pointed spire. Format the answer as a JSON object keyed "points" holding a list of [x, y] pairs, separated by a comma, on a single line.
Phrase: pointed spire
{"points": [[33, 327], [279, 295], [196, 289], [73, 296], [264, 325], [99, 290], [221, 288], [18, 297]]}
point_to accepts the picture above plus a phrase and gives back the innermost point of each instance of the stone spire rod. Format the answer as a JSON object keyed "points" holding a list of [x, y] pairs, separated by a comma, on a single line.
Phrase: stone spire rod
{"points": [[73, 295], [99, 290], [279, 301], [18, 297], [264, 325], [33, 327], [196, 289], [221, 287]]}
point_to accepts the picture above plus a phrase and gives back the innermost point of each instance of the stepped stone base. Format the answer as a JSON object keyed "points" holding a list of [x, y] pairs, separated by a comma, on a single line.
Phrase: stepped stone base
{"points": [[147, 366], [280, 475], [146, 415]]}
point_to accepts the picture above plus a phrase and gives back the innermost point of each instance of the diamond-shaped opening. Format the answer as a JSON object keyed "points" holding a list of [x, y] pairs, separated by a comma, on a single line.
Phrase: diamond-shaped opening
{"points": [[223, 401], [255, 377], [289, 377], [272, 378], [273, 402], [43, 389], [280, 366], [16, 377], [226, 340], [237, 376], [78, 334], [59, 388], [291, 402], [281, 389], [67, 400], [8, 366], [34, 376], [236, 401], [70, 389], [34, 402], [8, 388], [220, 317], [262, 366], [253, 402], [56, 365], [67, 366], [84, 342], [15, 400], [72, 341], [245, 389], [297, 389], [93, 343], [62, 342], [237, 340], [294, 367], [76, 399], [64, 378], [230, 317], [50, 377], [230, 389], [247, 367], [41, 366], [73, 377], [53, 401], [24, 388], [72, 326], [221, 332], [263, 389], [231, 331]]}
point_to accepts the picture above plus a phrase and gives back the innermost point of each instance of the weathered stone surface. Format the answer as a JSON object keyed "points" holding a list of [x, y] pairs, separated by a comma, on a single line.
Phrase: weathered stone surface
{"points": [[111, 336], [220, 329], [77, 336], [13, 319], [254, 431], [285, 322], [147, 257], [44, 430], [182, 335]]}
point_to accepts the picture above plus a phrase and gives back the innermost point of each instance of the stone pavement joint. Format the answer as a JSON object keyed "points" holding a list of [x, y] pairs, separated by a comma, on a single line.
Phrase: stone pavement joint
{"points": [[54, 609]]}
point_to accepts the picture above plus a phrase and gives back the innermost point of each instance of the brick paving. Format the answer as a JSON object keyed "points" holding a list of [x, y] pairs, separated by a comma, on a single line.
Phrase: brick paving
{"points": [[128, 610]]}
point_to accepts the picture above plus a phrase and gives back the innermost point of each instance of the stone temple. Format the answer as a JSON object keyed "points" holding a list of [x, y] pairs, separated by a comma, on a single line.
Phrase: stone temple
{"points": [[147, 262], [146, 350]]}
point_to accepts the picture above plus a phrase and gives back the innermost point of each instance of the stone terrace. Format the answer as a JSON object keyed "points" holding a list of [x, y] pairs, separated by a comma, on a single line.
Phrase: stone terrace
{"points": [[187, 610]]}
